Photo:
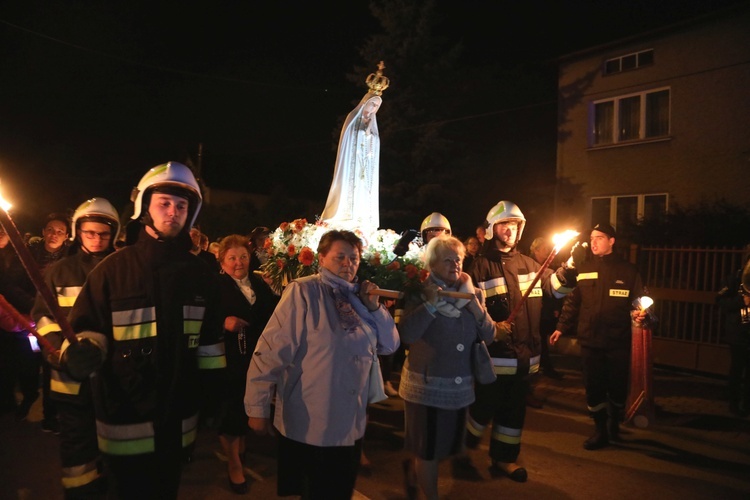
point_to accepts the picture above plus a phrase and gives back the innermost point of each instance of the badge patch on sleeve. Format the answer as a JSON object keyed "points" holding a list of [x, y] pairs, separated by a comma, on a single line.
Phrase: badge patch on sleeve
{"points": [[613, 292]]}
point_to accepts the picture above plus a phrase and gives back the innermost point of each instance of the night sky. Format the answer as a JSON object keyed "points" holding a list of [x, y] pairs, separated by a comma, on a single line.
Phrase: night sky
{"points": [[92, 94]]}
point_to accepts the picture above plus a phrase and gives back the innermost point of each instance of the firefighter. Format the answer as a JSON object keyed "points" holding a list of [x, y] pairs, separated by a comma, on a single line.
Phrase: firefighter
{"points": [[433, 225], [600, 308], [95, 227], [505, 274], [148, 322]]}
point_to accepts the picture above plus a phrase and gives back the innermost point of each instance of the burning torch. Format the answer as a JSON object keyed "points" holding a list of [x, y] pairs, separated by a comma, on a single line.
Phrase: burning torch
{"points": [[559, 241], [32, 269]]}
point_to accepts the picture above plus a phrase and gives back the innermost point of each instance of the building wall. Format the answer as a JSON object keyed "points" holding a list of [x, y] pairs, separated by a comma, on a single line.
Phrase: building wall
{"points": [[706, 65]]}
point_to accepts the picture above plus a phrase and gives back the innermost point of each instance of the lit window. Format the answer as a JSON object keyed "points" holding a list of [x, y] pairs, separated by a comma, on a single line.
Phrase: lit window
{"points": [[640, 116]]}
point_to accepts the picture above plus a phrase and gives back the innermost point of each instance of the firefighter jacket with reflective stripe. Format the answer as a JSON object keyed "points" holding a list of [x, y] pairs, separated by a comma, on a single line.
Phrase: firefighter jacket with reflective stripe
{"points": [[601, 303], [505, 277], [65, 278], [157, 306]]}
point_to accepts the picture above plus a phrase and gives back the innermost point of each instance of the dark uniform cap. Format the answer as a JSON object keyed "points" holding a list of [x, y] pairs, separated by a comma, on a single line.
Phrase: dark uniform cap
{"points": [[605, 228]]}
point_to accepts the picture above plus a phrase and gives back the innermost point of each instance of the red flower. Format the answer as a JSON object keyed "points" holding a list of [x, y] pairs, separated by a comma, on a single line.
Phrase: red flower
{"points": [[280, 263], [423, 273], [411, 271], [267, 243], [375, 260], [284, 226], [299, 224], [393, 266], [306, 256], [291, 251]]}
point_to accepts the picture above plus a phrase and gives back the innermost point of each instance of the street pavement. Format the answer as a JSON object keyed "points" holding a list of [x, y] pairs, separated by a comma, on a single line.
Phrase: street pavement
{"points": [[688, 408]]}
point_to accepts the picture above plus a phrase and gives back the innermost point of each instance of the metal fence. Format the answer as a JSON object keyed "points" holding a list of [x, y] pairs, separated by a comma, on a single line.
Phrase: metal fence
{"points": [[683, 283]]}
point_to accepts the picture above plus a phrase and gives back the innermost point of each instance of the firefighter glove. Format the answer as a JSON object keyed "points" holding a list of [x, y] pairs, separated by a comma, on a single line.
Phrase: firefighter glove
{"points": [[82, 359], [502, 330]]}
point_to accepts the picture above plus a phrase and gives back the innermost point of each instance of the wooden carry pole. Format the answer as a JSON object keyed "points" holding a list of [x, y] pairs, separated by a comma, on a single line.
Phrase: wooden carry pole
{"points": [[32, 269], [24, 322]]}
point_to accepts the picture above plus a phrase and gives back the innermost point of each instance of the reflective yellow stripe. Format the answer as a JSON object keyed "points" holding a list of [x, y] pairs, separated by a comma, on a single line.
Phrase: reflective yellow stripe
{"points": [[506, 435], [130, 447], [133, 332], [137, 439], [588, 276], [134, 316], [496, 286], [61, 383], [134, 323], [212, 362], [81, 475], [67, 295], [48, 328], [191, 326], [66, 301], [473, 427], [525, 280]]}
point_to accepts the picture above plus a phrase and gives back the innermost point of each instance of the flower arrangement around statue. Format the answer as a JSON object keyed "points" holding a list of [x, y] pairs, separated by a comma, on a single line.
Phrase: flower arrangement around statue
{"points": [[292, 253]]}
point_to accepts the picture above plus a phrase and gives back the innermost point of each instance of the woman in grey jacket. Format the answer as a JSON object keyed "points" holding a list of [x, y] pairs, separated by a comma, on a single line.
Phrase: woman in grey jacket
{"points": [[436, 383]]}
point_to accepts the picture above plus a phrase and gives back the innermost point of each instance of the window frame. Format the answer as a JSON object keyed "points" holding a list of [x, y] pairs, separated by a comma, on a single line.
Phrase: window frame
{"points": [[643, 118], [619, 59], [640, 206]]}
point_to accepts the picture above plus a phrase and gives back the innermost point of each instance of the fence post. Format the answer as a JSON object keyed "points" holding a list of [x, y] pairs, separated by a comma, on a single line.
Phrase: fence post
{"points": [[633, 257]]}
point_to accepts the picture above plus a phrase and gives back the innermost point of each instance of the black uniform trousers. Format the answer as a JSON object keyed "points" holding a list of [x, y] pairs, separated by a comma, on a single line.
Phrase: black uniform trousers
{"points": [[504, 403], [606, 376], [79, 450]]}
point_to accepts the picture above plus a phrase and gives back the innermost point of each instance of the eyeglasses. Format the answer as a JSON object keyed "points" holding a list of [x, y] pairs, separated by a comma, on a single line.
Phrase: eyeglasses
{"points": [[55, 232], [90, 235]]}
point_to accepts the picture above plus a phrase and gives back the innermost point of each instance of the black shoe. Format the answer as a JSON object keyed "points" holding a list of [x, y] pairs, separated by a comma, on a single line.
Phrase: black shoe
{"points": [[239, 488], [462, 468], [597, 441], [410, 479], [512, 470], [613, 430], [50, 425], [23, 409]]}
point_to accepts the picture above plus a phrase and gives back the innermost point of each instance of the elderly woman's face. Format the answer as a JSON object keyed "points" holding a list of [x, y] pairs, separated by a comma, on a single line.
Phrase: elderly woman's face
{"points": [[448, 266], [342, 260], [236, 262]]}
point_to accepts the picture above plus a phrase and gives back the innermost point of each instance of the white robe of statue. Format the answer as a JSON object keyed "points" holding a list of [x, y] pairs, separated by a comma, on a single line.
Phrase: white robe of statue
{"points": [[353, 201]]}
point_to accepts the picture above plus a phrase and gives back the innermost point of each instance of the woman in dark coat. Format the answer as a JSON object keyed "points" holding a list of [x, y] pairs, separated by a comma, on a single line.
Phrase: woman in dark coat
{"points": [[247, 303]]}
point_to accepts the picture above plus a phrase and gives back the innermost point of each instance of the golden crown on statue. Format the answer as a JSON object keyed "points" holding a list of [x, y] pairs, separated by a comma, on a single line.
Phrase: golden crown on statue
{"points": [[376, 81]]}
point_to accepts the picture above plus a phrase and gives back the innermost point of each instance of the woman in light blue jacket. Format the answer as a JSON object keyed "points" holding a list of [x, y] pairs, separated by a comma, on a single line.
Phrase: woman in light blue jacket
{"points": [[317, 356]]}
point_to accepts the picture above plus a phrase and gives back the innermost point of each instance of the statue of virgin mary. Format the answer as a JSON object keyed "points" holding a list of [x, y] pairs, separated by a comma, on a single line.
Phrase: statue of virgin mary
{"points": [[353, 200]]}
